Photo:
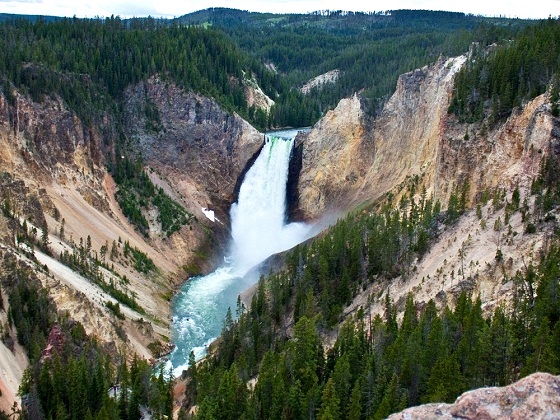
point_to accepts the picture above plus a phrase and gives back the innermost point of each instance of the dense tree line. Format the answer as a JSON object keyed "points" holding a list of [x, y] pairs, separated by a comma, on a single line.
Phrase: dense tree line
{"points": [[379, 366], [73, 378], [370, 49], [116, 55], [30, 310], [507, 76]]}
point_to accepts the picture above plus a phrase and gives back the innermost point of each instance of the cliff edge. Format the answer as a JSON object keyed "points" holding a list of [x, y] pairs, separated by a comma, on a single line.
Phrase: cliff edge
{"points": [[535, 397]]}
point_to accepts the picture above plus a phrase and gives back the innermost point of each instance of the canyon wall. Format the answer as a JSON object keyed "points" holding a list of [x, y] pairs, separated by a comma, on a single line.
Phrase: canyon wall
{"points": [[54, 173], [350, 158], [198, 146]]}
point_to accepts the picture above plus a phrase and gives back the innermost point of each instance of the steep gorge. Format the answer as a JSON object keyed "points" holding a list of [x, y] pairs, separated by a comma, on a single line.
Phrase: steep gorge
{"points": [[54, 173], [350, 159], [54, 169]]}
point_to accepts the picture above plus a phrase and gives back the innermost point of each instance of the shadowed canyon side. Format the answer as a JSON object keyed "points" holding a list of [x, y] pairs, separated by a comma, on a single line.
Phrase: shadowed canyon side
{"points": [[53, 174], [199, 146]]}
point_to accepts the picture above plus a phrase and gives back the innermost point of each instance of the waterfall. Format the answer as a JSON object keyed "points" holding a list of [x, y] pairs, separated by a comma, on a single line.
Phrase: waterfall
{"points": [[258, 219], [259, 229]]}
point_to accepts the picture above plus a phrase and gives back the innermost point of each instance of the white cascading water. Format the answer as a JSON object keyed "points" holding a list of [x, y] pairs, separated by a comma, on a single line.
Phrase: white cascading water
{"points": [[258, 224], [258, 231]]}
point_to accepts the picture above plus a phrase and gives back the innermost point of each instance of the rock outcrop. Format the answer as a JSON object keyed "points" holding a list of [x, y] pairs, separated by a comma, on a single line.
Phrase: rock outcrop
{"points": [[199, 147], [319, 81], [47, 142], [350, 158], [336, 156], [349, 155], [255, 96], [535, 397]]}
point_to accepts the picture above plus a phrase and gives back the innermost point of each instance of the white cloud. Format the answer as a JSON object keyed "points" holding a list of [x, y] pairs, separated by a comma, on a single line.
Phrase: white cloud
{"points": [[21, 1]]}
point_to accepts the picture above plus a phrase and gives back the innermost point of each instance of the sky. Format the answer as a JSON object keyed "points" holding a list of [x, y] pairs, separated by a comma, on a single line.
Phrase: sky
{"points": [[534, 9]]}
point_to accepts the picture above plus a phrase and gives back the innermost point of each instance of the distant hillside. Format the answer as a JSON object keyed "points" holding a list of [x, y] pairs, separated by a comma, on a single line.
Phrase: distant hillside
{"points": [[32, 18], [370, 49], [218, 52]]}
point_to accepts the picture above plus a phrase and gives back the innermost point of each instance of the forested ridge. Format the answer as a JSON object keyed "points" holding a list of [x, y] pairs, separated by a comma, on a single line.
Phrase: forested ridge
{"points": [[506, 76], [213, 51], [370, 49], [114, 54], [89, 62]]}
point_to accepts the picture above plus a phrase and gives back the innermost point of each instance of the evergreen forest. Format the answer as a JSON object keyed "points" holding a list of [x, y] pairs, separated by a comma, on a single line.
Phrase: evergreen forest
{"points": [[380, 366], [507, 76], [369, 49], [89, 62]]}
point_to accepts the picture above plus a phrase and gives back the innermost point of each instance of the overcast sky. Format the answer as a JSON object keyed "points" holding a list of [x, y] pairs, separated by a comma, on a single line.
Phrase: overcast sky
{"points": [[170, 8]]}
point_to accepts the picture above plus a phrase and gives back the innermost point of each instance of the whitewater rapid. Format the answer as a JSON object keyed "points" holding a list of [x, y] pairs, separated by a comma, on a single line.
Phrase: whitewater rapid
{"points": [[259, 230]]}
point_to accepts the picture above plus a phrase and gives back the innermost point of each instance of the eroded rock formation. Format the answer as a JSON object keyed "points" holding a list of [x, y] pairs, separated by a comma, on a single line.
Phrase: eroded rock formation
{"points": [[199, 147], [349, 158], [535, 397]]}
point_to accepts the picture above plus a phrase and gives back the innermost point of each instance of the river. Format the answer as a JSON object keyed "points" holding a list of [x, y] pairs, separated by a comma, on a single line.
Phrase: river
{"points": [[259, 230]]}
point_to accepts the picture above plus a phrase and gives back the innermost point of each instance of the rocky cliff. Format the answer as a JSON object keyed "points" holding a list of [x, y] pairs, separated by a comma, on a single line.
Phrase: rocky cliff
{"points": [[53, 174], [350, 159], [336, 156], [199, 146], [351, 156], [534, 397]]}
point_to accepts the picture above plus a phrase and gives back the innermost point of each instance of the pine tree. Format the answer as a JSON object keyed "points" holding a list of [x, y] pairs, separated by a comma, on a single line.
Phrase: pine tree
{"points": [[304, 353], [543, 357], [330, 403], [355, 403], [192, 384], [446, 382], [342, 381], [392, 400]]}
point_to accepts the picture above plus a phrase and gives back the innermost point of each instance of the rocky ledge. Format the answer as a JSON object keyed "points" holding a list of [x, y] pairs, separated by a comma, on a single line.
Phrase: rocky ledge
{"points": [[535, 397]]}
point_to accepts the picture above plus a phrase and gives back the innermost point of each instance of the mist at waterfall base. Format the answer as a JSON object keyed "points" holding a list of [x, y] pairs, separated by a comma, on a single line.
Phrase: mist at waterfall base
{"points": [[258, 231]]}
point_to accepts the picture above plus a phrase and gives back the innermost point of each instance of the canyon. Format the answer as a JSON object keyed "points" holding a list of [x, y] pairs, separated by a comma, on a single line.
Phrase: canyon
{"points": [[350, 159], [54, 173]]}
